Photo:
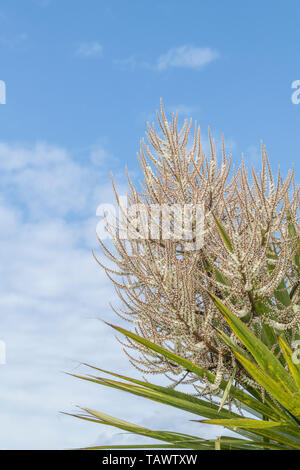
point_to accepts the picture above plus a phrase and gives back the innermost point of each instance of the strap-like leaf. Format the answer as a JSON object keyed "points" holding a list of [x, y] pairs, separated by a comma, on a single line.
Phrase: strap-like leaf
{"points": [[227, 390], [201, 372], [224, 235], [295, 370], [290, 402], [263, 356], [202, 408]]}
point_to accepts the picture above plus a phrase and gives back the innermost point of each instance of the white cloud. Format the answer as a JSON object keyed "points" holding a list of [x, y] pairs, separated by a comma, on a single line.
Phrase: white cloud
{"points": [[127, 63], [51, 292], [100, 156], [186, 57], [49, 182], [90, 49], [183, 110]]}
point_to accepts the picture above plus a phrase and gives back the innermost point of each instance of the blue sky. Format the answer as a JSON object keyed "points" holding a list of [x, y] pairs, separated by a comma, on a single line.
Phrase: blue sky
{"points": [[82, 79], [59, 95]]}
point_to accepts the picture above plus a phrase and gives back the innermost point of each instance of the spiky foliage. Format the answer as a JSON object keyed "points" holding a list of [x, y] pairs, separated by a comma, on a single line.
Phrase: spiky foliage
{"points": [[249, 257], [274, 421]]}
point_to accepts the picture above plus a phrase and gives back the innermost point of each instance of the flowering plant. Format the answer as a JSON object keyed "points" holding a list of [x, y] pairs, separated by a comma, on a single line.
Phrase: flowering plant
{"points": [[220, 315], [248, 256]]}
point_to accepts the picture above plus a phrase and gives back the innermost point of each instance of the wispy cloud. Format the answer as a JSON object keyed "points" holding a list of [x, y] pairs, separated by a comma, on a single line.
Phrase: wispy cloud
{"points": [[100, 156], [13, 42], [49, 182], [186, 57], [127, 63], [90, 49], [183, 109]]}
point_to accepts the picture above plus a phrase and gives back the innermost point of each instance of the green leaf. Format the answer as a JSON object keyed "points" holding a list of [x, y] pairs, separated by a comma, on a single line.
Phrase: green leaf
{"points": [[290, 402], [263, 356], [243, 423], [180, 440], [267, 429], [295, 370], [159, 388], [235, 392], [202, 408], [227, 390], [137, 446], [293, 234], [258, 410], [224, 235]]}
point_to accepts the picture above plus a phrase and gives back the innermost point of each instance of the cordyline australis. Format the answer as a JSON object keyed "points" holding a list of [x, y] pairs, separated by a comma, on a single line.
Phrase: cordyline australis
{"points": [[248, 258]]}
